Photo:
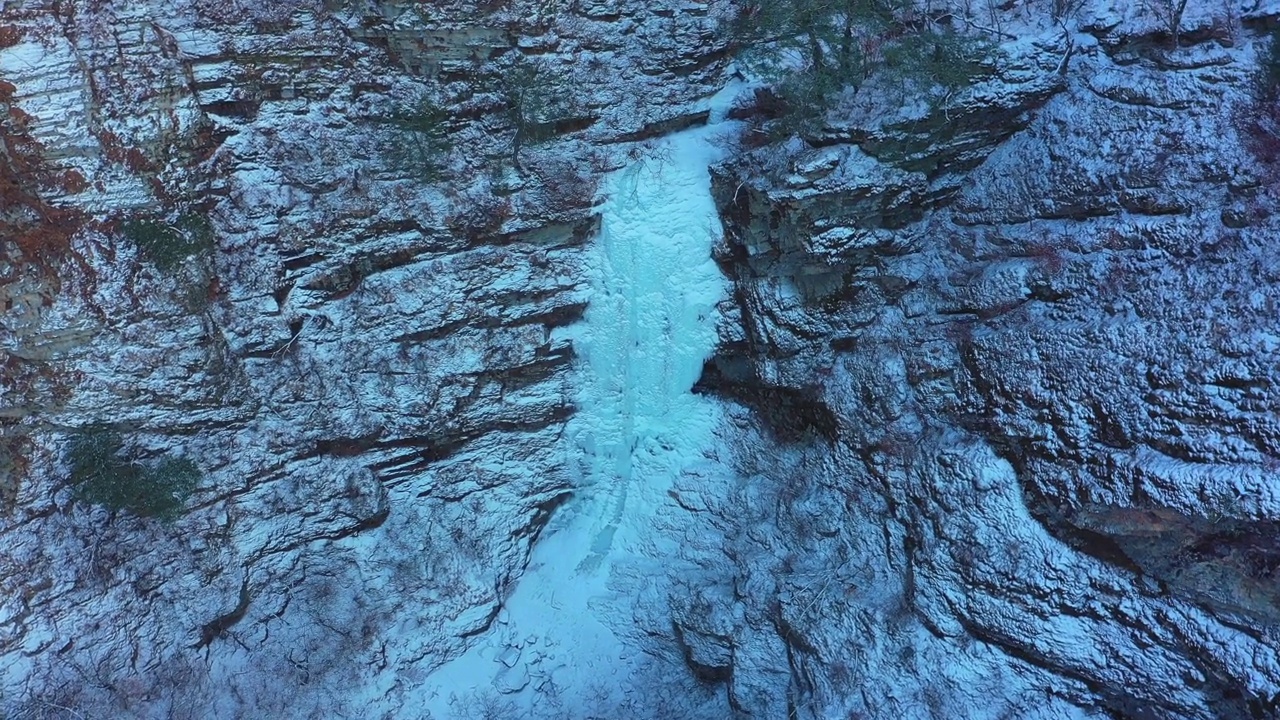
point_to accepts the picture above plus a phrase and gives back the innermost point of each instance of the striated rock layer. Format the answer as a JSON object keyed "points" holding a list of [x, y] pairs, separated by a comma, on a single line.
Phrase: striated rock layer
{"points": [[1030, 436], [368, 368], [996, 373]]}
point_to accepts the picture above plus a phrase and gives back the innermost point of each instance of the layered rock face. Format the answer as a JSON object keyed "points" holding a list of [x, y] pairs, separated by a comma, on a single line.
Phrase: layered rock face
{"points": [[1026, 462], [997, 369], [367, 367]]}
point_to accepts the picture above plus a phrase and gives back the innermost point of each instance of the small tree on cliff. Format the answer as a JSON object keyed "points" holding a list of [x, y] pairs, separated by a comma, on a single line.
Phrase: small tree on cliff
{"points": [[1169, 13], [417, 138], [827, 34], [100, 475], [536, 98], [813, 49]]}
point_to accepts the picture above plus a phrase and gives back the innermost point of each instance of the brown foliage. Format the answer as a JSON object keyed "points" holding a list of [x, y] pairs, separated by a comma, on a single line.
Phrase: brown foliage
{"points": [[479, 215], [35, 238], [15, 451], [117, 152], [36, 231], [10, 35], [566, 187], [1258, 122], [1113, 239], [1047, 254]]}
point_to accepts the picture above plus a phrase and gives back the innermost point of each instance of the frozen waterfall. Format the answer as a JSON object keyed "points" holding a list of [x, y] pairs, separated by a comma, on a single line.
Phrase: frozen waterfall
{"points": [[649, 328], [650, 325]]}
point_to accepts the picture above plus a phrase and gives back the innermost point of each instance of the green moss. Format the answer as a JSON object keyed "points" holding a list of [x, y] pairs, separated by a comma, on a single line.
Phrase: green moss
{"points": [[166, 246], [943, 59], [99, 475], [197, 229]]}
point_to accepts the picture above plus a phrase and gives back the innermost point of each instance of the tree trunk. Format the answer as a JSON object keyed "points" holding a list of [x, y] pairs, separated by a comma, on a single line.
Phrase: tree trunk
{"points": [[815, 52], [1175, 21], [846, 44]]}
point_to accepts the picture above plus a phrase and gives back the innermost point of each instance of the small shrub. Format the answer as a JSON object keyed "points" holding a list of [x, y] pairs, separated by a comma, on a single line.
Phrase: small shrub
{"points": [[944, 59], [537, 99], [165, 245], [417, 138], [813, 51], [99, 475]]}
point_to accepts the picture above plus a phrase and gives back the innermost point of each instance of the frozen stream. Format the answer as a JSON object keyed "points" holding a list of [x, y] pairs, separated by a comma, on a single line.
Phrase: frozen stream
{"points": [[560, 647]]}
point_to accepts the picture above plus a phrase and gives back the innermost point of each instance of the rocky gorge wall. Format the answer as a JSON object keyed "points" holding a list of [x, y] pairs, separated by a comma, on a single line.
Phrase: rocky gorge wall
{"points": [[1025, 338], [997, 370], [366, 368]]}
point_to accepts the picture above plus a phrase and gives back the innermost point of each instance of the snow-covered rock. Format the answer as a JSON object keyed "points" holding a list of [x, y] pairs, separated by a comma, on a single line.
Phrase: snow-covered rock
{"points": [[1054, 455], [988, 431], [370, 369]]}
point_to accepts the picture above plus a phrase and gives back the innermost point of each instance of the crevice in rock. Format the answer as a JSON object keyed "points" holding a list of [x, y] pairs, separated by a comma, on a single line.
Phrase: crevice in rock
{"points": [[703, 672], [790, 414], [665, 127], [542, 514], [218, 627], [438, 447]]}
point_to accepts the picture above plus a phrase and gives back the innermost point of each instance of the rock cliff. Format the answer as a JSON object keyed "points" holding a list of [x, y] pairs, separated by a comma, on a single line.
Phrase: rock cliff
{"points": [[367, 367], [1000, 435], [1025, 337]]}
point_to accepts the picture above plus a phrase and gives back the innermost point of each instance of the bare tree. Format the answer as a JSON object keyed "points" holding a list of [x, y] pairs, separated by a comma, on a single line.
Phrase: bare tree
{"points": [[1169, 13], [537, 97], [1063, 9]]}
